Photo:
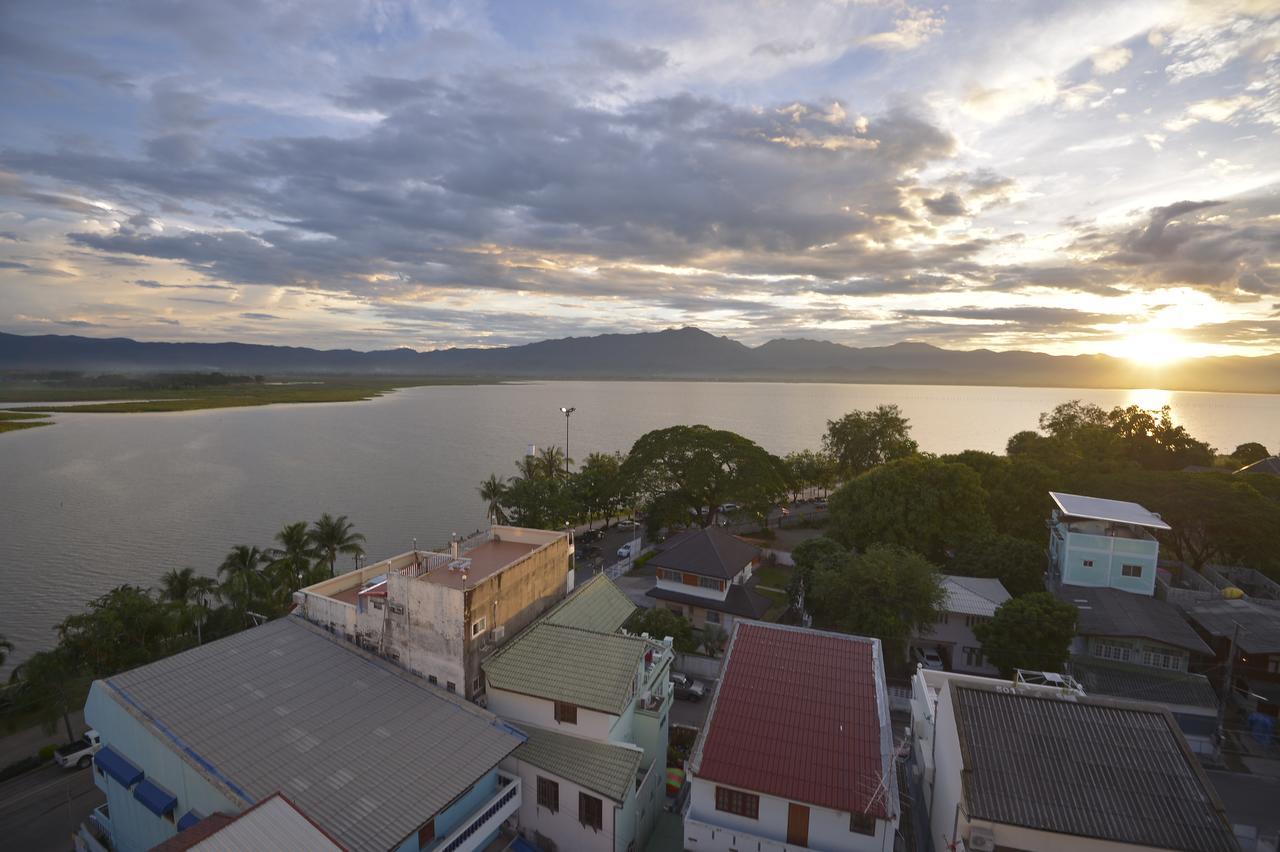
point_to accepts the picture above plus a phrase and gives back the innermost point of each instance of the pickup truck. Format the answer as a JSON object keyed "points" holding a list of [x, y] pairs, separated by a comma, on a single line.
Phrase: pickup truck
{"points": [[79, 754]]}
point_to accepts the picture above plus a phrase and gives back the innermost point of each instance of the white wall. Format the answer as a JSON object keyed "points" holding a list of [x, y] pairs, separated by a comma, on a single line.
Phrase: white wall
{"points": [[956, 635], [562, 826], [516, 707]]}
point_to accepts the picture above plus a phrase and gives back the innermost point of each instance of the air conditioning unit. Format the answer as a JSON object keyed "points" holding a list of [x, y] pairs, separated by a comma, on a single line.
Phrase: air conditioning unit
{"points": [[496, 634], [981, 840]]}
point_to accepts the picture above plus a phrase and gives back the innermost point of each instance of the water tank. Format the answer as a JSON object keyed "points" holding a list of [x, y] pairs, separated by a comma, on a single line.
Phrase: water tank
{"points": [[1231, 593]]}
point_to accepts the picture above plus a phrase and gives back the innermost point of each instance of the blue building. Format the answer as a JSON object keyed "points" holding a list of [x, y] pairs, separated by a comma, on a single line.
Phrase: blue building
{"points": [[375, 757], [1103, 544]]}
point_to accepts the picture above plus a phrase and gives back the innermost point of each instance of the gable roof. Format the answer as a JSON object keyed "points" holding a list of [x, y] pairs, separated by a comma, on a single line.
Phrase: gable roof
{"points": [[597, 605], [1269, 465], [803, 715], [1112, 612], [973, 595], [1086, 767], [366, 750], [602, 767], [1100, 509], [706, 551], [738, 600], [1259, 623], [274, 823], [562, 663]]}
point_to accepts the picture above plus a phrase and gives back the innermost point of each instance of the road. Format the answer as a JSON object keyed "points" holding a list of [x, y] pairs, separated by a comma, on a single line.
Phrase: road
{"points": [[42, 809], [1249, 799]]}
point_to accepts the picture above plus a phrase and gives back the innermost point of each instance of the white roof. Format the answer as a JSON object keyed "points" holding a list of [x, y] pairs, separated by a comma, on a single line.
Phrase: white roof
{"points": [[1116, 511], [973, 595], [273, 824]]}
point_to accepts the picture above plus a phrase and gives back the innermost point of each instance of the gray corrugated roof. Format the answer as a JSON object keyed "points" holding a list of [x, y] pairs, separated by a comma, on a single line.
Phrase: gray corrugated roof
{"points": [[1100, 509], [1259, 624], [973, 595], [1111, 612], [561, 663], [1088, 767], [709, 552], [368, 751], [739, 600], [595, 605], [603, 767], [1269, 465], [1143, 683]]}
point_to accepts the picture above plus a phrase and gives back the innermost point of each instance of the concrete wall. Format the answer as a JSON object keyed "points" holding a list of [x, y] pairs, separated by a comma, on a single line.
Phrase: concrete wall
{"points": [[561, 826], [686, 589], [954, 634], [517, 708]]}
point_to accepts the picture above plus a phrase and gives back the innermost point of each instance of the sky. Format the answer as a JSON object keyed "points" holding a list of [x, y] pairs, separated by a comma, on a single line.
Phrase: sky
{"points": [[1063, 177]]}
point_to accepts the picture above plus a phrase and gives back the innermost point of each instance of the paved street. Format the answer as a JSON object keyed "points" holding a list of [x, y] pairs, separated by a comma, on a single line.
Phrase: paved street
{"points": [[40, 810], [691, 714], [1249, 799]]}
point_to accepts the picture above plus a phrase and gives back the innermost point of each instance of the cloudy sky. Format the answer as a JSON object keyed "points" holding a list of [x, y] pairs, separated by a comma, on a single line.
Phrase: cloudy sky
{"points": [[1069, 177]]}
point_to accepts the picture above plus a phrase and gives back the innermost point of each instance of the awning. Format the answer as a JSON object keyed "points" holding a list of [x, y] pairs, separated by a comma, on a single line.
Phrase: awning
{"points": [[188, 819], [114, 764], [155, 798]]}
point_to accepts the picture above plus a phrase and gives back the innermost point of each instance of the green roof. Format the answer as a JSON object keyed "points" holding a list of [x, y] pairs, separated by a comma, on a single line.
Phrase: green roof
{"points": [[595, 605], [601, 767], [561, 663]]}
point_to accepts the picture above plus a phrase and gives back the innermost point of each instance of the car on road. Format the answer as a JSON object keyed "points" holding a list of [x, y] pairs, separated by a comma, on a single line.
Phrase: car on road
{"points": [[929, 658], [79, 754], [589, 535], [730, 508], [625, 524], [687, 688], [624, 552]]}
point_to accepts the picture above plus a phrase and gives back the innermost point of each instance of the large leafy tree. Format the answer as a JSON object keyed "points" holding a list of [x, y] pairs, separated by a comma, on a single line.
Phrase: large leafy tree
{"points": [[1029, 632], [1250, 452], [808, 557], [696, 468], [888, 592], [1017, 491], [1017, 563], [1155, 442], [926, 504], [660, 622], [597, 486], [331, 536], [493, 491], [860, 440], [6, 647], [1084, 435]]}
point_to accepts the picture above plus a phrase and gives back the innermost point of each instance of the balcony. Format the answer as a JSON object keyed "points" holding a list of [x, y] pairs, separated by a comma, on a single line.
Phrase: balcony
{"points": [[472, 834]]}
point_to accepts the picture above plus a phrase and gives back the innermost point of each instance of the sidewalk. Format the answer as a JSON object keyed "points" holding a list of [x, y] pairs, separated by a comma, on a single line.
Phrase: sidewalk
{"points": [[28, 741]]}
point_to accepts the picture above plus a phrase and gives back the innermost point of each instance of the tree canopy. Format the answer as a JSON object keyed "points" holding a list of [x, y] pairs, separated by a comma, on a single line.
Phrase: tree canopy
{"points": [[1017, 563], [660, 622], [1250, 452], [860, 440], [1029, 632]]}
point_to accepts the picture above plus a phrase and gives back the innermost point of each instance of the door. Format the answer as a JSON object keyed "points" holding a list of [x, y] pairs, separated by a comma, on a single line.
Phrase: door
{"points": [[797, 825]]}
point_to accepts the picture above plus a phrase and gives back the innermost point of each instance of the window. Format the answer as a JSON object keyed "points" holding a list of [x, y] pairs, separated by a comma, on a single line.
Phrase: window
{"points": [[973, 657], [1088, 563], [590, 811], [476, 683], [942, 619], [713, 617], [378, 604], [1161, 659], [737, 802], [427, 833], [973, 620], [1131, 570], [1118, 651], [478, 626], [677, 609], [451, 686], [432, 679], [566, 713], [860, 823], [709, 583], [548, 794]]}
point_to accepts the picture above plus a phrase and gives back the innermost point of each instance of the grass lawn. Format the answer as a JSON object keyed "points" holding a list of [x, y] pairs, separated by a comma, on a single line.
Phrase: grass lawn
{"points": [[780, 603], [12, 421], [776, 576]]}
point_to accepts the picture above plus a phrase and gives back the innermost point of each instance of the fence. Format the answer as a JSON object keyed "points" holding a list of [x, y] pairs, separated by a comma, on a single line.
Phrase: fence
{"points": [[707, 668], [622, 566]]}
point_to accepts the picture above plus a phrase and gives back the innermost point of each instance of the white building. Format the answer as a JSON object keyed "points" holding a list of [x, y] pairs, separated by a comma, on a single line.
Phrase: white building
{"points": [[1103, 543], [797, 751], [969, 601], [1043, 768]]}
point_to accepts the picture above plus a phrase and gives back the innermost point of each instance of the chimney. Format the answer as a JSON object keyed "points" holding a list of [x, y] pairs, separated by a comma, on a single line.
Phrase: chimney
{"points": [[455, 546]]}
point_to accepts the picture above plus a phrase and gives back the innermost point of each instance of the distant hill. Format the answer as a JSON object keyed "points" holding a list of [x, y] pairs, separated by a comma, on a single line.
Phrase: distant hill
{"points": [[685, 353]]}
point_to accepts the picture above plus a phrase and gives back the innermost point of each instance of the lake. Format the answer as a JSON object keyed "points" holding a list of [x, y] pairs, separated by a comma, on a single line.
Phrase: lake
{"points": [[103, 499]]}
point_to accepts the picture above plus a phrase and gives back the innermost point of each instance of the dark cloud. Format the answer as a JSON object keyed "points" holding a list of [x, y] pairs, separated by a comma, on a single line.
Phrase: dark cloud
{"points": [[13, 264], [1030, 316], [947, 204], [633, 59], [783, 47], [252, 315]]}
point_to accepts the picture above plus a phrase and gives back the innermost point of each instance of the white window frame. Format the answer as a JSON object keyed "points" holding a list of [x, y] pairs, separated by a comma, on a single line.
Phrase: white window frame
{"points": [[478, 626]]}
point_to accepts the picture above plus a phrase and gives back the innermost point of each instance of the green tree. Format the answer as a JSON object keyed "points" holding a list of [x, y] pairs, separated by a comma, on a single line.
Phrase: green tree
{"points": [[124, 628], [860, 440], [923, 503], [331, 536], [6, 648], [493, 491], [552, 463], [808, 556], [660, 622], [241, 578], [888, 592], [596, 487], [1017, 490], [539, 502], [1155, 442], [1029, 632], [292, 565], [45, 684], [1017, 563], [1248, 453], [697, 468]]}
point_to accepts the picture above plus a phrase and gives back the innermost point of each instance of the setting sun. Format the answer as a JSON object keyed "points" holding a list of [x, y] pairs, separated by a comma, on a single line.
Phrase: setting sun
{"points": [[1151, 347]]}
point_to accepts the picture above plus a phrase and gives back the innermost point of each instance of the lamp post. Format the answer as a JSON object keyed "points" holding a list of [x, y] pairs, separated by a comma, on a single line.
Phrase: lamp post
{"points": [[566, 412]]}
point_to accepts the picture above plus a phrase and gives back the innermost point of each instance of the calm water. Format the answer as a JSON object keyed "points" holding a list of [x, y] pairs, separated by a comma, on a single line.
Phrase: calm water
{"points": [[99, 500]]}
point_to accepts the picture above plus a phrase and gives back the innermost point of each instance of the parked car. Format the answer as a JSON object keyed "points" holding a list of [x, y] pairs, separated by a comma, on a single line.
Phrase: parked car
{"points": [[624, 552], [589, 535], [687, 688], [929, 658], [625, 524], [79, 754], [729, 508], [820, 503]]}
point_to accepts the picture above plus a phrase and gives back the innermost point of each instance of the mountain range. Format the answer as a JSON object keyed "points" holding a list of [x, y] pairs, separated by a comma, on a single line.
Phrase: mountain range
{"points": [[683, 354]]}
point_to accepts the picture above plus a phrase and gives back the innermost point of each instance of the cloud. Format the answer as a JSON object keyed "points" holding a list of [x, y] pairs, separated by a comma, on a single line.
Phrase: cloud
{"points": [[253, 315], [912, 29], [947, 204], [625, 57], [1111, 59]]}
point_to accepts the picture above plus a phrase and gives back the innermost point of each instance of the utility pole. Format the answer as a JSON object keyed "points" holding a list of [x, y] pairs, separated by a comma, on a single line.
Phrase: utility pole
{"points": [[566, 412], [1226, 684]]}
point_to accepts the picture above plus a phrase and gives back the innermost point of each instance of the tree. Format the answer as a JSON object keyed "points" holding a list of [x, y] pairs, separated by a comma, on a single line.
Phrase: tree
{"points": [[1017, 563], [538, 502], [332, 536], [493, 491], [804, 470], [596, 485], [923, 503], [696, 468], [713, 639], [808, 556], [860, 440], [1155, 442], [1029, 632], [1017, 490], [552, 464], [1250, 452], [888, 592], [241, 581], [6, 647], [292, 564], [660, 622]]}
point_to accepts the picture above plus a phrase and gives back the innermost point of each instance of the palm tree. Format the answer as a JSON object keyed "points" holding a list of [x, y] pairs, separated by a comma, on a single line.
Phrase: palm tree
{"points": [[332, 536], [241, 576], [198, 594], [493, 490], [529, 468], [5, 647], [291, 562], [175, 585], [552, 463]]}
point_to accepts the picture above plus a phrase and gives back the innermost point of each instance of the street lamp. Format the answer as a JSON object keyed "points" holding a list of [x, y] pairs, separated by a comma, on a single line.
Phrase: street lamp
{"points": [[566, 412]]}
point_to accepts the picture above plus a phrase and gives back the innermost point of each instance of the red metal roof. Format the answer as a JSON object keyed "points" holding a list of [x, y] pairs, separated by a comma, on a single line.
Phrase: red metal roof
{"points": [[796, 716]]}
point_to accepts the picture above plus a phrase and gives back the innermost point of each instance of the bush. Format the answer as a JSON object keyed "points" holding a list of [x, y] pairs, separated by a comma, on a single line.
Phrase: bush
{"points": [[46, 753]]}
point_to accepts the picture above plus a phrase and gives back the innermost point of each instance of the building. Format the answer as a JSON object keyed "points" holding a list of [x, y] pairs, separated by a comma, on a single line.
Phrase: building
{"points": [[797, 751], [1103, 543], [274, 823], [702, 575], [1255, 627], [969, 601], [439, 614], [594, 705], [376, 758], [1140, 648], [1270, 465], [1010, 765]]}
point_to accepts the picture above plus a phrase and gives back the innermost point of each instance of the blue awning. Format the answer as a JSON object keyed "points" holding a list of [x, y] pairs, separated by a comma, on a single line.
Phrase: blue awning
{"points": [[117, 766], [188, 819], [155, 798]]}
